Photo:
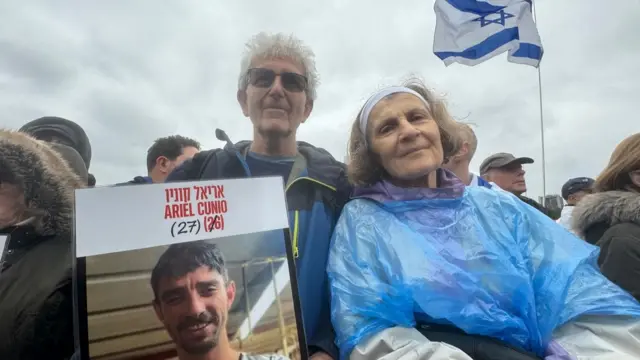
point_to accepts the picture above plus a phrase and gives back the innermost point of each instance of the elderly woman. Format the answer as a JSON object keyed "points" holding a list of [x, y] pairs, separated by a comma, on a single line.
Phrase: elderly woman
{"points": [[422, 267]]}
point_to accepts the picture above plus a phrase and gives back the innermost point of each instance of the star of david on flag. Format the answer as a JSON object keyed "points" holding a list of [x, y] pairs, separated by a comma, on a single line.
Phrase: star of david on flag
{"points": [[472, 31]]}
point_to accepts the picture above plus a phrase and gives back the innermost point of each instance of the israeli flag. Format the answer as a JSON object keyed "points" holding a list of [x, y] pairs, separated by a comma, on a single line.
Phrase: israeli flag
{"points": [[472, 31]]}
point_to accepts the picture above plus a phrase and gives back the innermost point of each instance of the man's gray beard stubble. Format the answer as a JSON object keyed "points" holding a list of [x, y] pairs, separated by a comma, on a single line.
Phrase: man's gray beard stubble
{"points": [[273, 138]]}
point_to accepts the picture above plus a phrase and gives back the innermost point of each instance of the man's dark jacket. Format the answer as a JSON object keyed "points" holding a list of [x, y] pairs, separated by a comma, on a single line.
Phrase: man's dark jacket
{"points": [[36, 303], [535, 204], [137, 181], [611, 220], [314, 200]]}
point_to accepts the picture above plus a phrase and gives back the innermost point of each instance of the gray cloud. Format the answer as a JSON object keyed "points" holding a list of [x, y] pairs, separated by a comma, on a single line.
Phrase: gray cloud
{"points": [[130, 72]]}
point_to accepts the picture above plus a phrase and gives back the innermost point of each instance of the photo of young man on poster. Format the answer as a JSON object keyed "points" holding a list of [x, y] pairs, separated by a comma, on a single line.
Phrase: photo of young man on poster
{"points": [[192, 298]]}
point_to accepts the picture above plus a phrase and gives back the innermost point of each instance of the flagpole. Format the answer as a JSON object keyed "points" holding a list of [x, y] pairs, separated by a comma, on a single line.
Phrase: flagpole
{"points": [[544, 162]]}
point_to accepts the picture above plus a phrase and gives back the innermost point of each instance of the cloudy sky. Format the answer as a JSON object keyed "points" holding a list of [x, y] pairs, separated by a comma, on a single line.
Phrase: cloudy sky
{"points": [[132, 71]]}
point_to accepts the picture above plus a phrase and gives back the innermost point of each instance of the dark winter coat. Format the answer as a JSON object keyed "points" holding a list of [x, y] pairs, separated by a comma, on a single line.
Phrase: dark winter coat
{"points": [[36, 303], [611, 220]]}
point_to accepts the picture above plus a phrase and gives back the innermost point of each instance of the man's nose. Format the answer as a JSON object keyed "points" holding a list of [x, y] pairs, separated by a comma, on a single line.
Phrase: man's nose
{"points": [[196, 305], [276, 88]]}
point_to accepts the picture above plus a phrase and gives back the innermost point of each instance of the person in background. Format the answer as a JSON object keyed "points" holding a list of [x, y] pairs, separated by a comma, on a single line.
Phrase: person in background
{"points": [[506, 171], [422, 267], [610, 218], [192, 298], [572, 192], [277, 87], [57, 130], [164, 155], [37, 186], [459, 163]]}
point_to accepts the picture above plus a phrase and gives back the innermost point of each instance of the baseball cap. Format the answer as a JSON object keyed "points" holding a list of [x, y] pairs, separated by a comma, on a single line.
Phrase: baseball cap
{"points": [[576, 184], [499, 160], [73, 158]]}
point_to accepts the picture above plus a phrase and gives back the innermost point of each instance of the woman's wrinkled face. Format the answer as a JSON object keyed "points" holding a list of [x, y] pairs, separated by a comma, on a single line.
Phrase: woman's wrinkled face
{"points": [[403, 133]]}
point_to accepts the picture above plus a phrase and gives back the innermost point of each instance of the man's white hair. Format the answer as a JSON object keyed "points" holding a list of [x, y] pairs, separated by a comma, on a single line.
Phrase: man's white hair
{"points": [[273, 46]]}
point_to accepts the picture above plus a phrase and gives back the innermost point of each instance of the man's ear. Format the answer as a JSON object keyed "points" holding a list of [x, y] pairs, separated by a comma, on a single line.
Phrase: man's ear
{"points": [[158, 310], [307, 110], [162, 164], [231, 293], [241, 95]]}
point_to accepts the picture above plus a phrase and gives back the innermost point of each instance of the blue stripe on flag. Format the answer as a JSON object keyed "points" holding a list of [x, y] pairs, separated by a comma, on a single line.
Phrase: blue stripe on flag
{"points": [[475, 7], [492, 43], [529, 51]]}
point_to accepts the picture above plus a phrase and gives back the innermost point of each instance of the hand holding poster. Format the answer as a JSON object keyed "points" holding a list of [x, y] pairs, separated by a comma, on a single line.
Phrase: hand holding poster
{"points": [[194, 270]]}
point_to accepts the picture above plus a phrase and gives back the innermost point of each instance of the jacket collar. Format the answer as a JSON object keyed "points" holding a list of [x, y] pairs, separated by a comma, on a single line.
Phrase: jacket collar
{"points": [[321, 165], [609, 208], [450, 187]]}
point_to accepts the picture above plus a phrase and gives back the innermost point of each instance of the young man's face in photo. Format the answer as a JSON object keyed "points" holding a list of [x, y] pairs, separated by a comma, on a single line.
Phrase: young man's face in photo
{"points": [[194, 308]]}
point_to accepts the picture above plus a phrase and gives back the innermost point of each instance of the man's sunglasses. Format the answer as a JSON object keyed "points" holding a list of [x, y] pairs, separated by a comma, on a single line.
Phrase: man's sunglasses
{"points": [[264, 78]]}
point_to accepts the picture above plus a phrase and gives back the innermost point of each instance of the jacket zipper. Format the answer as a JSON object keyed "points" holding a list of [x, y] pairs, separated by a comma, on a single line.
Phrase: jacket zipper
{"points": [[294, 236], [296, 253]]}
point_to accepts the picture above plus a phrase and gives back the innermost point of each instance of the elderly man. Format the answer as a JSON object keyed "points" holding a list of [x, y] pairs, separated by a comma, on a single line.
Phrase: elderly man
{"points": [[505, 170], [276, 90]]}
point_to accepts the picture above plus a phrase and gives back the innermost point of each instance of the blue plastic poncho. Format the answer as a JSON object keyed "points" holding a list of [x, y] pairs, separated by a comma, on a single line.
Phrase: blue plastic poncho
{"points": [[481, 260]]}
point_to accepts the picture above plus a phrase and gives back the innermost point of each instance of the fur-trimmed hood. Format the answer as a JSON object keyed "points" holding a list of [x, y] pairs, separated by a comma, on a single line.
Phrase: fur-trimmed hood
{"points": [[47, 181], [609, 208]]}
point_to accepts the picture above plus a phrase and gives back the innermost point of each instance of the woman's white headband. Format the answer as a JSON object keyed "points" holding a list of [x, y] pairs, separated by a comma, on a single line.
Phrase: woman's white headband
{"points": [[375, 99]]}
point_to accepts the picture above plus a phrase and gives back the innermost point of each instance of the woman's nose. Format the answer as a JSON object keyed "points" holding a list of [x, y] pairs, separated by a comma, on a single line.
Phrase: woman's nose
{"points": [[407, 130]]}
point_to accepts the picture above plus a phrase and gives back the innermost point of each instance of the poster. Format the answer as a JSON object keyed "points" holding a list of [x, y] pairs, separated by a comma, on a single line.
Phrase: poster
{"points": [[168, 271]]}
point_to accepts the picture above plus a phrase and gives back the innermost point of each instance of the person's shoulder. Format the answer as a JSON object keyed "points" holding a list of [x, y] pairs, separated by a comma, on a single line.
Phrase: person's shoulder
{"points": [[482, 182], [361, 204], [536, 205], [316, 150], [629, 230], [138, 180], [363, 212], [319, 155], [490, 192], [495, 197], [192, 168], [321, 163], [622, 239]]}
